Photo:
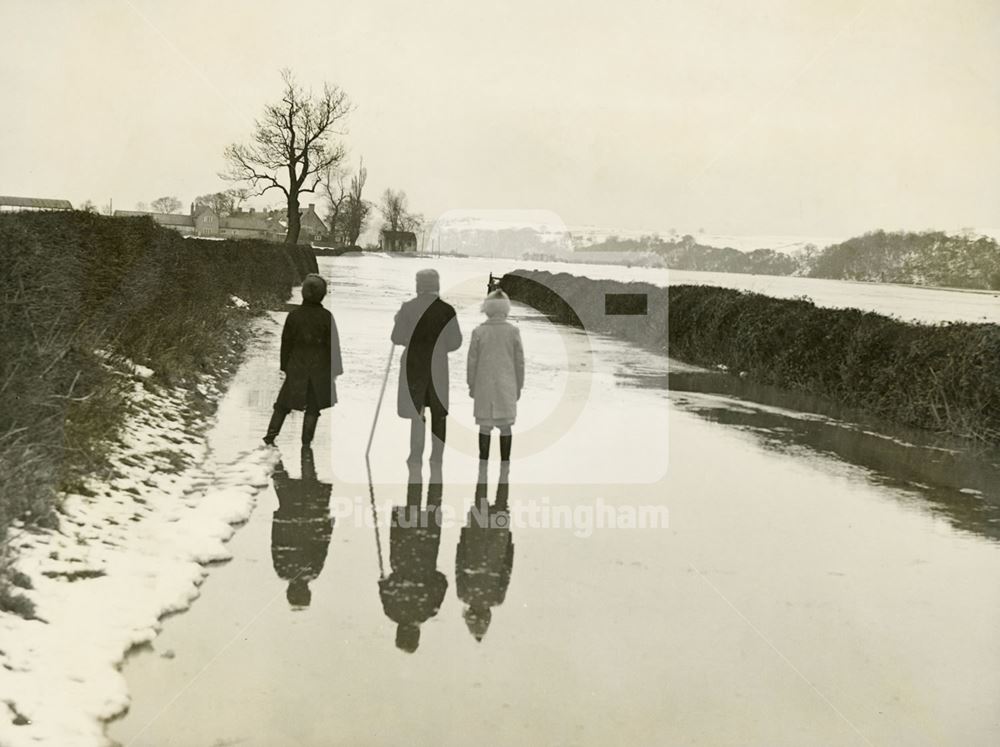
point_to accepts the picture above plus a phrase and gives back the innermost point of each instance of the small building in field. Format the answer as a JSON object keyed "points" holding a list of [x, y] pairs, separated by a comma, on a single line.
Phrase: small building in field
{"points": [[397, 241], [10, 204]]}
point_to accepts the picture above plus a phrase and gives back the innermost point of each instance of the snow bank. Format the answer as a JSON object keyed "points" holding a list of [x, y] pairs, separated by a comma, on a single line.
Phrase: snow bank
{"points": [[120, 560]]}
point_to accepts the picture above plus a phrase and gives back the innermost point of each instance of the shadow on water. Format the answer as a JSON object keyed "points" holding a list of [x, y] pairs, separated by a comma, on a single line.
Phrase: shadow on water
{"points": [[414, 590], [958, 480], [301, 529], [485, 555]]}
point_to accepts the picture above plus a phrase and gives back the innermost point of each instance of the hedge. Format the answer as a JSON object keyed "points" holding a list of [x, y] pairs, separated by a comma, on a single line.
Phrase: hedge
{"points": [[944, 377]]}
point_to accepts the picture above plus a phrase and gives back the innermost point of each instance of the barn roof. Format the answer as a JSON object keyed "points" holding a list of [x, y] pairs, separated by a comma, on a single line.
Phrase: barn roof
{"points": [[249, 221], [35, 202], [398, 234]]}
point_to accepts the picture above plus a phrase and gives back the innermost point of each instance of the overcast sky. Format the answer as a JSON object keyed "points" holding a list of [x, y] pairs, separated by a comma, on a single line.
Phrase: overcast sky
{"points": [[774, 116]]}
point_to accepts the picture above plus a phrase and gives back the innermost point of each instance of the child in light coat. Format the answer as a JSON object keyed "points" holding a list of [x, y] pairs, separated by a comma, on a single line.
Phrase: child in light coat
{"points": [[495, 374]]}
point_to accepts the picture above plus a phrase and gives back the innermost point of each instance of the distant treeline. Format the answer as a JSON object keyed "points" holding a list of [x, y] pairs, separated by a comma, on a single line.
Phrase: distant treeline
{"points": [[925, 258], [82, 298], [943, 378]]}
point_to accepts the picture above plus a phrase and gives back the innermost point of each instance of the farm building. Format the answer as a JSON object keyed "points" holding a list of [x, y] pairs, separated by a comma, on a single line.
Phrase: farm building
{"points": [[397, 241], [16, 204]]}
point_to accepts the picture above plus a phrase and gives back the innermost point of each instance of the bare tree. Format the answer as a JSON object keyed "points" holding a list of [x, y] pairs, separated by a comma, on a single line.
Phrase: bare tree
{"points": [[291, 146], [220, 202], [336, 191], [393, 209], [142, 207], [88, 206], [357, 210], [166, 205], [238, 195]]}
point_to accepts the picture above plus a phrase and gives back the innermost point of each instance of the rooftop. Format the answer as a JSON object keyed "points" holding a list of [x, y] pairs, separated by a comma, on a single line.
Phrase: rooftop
{"points": [[35, 202]]}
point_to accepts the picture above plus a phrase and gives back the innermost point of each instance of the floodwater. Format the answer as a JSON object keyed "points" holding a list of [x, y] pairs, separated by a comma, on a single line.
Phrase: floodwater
{"points": [[822, 580]]}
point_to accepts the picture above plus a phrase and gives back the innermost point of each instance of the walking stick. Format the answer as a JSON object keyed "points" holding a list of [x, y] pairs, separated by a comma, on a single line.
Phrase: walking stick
{"points": [[368, 466], [381, 394]]}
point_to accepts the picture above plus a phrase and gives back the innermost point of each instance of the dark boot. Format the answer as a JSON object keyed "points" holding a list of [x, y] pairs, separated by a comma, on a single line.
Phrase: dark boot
{"points": [[484, 446], [309, 423], [274, 427], [505, 442]]}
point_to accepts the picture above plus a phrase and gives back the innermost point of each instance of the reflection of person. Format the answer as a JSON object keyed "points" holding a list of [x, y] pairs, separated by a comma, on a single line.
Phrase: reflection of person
{"points": [[301, 529], [413, 592], [428, 328], [485, 555], [310, 361], [495, 373]]}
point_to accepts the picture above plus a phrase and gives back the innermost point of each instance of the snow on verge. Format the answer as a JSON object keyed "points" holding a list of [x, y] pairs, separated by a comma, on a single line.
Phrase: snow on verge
{"points": [[120, 560]]}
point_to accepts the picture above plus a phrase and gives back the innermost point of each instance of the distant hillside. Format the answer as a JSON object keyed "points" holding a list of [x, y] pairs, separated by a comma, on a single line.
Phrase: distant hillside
{"points": [[927, 258], [687, 254]]}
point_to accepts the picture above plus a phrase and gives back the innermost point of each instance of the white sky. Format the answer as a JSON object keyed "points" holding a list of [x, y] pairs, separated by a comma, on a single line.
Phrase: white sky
{"points": [[771, 116]]}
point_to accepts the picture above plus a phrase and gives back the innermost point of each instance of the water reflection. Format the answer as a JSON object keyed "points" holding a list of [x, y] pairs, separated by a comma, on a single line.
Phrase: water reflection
{"points": [[958, 480], [301, 529], [413, 591], [485, 555]]}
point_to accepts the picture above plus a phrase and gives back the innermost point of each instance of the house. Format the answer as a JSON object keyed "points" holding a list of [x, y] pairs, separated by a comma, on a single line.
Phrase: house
{"points": [[17, 204], [268, 225], [397, 241], [311, 226]]}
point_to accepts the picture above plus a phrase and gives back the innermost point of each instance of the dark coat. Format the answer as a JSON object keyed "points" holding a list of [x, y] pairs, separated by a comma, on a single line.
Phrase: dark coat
{"points": [[428, 328], [310, 355]]}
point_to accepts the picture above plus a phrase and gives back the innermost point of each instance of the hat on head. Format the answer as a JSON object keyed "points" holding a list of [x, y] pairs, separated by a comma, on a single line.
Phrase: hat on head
{"points": [[497, 304], [428, 281]]}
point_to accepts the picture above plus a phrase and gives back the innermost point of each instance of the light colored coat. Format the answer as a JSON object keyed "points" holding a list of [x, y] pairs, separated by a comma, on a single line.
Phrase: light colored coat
{"points": [[495, 371]]}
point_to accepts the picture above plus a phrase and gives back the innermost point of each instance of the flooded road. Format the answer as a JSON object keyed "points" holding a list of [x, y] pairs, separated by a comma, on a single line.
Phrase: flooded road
{"points": [[820, 582]]}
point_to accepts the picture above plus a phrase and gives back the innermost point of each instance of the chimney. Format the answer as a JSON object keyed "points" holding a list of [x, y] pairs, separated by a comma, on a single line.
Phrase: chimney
{"points": [[192, 208], [251, 210], [312, 207]]}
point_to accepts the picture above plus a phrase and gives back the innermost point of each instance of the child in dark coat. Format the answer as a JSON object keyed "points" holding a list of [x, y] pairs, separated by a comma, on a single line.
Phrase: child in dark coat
{"points": [[310, 362]]}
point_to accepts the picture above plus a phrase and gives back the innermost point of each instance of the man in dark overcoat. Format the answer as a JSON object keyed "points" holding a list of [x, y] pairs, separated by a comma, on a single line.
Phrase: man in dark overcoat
{"points": [[428, 328], [310, 362]]}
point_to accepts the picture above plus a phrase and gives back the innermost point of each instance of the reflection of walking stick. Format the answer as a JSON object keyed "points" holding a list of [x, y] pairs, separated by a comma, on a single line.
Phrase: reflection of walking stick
{"points": [[378, 537], [368, 465]]}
